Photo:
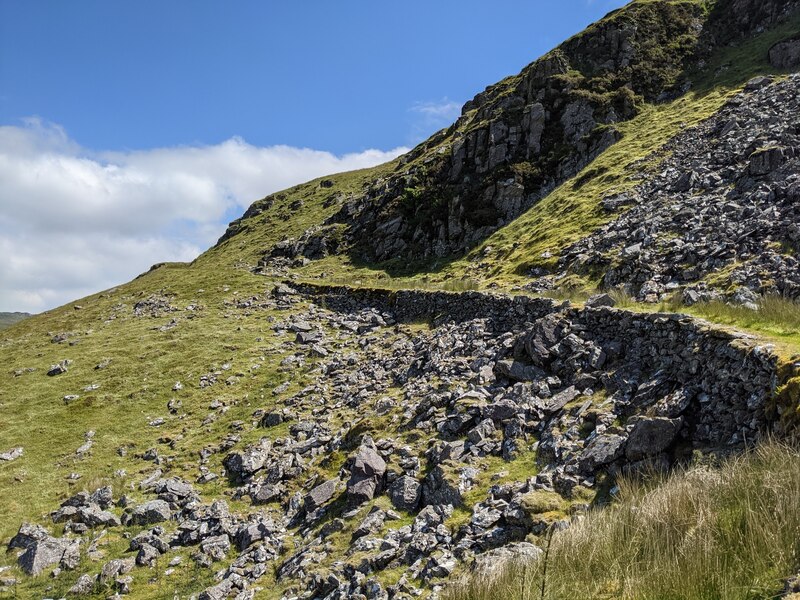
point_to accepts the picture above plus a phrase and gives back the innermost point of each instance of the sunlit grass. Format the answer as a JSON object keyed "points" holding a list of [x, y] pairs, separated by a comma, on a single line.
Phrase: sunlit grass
{"points": [[727, 533]]}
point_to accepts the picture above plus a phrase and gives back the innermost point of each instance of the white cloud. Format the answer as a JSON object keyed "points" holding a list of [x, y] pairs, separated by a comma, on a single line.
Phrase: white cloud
{"points": [[432, 116], [444, 109], [74, 221]]}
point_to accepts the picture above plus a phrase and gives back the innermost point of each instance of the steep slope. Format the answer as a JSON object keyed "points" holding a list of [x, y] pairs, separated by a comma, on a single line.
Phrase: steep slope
{"points": [[521, 138], [226, 430]]}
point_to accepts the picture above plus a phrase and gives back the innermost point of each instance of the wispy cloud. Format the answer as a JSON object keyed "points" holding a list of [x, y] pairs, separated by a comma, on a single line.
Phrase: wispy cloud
{"points": [[429, 117], [74, 220]]}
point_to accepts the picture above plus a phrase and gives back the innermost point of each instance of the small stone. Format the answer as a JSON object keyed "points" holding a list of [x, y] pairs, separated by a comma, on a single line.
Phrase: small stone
{"points": [[83, 587], [12, 454], [599, 300]]}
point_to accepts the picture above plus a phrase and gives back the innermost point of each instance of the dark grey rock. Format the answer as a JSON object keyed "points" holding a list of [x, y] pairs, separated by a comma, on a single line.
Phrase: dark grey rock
{"points": [[650, 436], [320, 495], [405, 493], [440, 488], [602, 450], [27, 535], [785, 54], [154, 511], [49, 552], [366, 475], [599, 300]]}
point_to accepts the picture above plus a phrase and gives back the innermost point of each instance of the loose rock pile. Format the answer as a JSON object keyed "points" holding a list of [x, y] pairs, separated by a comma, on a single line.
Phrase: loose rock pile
{"points": [[725, 202]]}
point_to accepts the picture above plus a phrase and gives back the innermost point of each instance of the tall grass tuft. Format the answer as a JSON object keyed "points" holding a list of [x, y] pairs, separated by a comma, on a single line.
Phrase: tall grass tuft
{"points": [[773, 310], [727, 533]]}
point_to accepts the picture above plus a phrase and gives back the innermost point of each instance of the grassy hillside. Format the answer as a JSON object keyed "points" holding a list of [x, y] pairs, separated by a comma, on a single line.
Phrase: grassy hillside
{"points": [[727, 532], [134, 388], [193, 320]]}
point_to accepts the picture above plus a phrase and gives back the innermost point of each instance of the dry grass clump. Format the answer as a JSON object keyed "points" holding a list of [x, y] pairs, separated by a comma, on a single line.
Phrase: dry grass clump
{"points": [[731, 532]]}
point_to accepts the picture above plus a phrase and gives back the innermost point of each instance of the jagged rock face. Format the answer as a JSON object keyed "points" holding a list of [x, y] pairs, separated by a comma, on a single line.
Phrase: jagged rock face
{"points": [[747, 16], [518, 140], [728, 196], [785, 54]]}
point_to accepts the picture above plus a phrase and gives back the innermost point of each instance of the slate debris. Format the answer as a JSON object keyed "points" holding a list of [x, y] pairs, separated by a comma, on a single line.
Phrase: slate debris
{"points": [[728, 190]]}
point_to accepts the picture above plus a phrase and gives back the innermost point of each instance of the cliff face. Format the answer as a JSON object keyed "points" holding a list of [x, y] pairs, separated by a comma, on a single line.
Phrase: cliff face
{"points": [[519, 139]]}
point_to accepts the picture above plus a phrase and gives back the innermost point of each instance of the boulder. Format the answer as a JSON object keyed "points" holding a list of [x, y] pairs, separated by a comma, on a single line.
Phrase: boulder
{"points": [[491, 564], [103, 497], [766, 160], [502, 410], [602, 450], [114, 568], [405, 493], [371, 523], [559, 400], [320, 495], [155, 511], [27, 535], [517, 371], [481, 432], [94, 516], [216, 547], [440, 488], [545, 333], [600, 300], [650, 436], [250, 533], [366, 475], [147, 555], [58, 368], [240, 466], [49, 552], [175, 491], [267, 492]]}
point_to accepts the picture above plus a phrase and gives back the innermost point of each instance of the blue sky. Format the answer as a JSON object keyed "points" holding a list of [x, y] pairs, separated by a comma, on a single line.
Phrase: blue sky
{"points": [[200, 107]]}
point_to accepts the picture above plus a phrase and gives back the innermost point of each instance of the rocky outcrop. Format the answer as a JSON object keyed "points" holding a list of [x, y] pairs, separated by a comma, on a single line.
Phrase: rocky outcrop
{"points": [[425, 450], [46, 552], [727, 199], [514, 142], [785, 54], [519, 139]]}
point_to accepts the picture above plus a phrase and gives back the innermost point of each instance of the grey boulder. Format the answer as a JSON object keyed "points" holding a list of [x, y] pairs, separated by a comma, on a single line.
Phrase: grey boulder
{"points": [[49, 552], [651, 436], [366, 475], [151, 512]]}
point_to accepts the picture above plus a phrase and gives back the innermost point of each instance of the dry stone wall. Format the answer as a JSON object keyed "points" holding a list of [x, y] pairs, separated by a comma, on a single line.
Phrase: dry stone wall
{"points": [[720, 381]]}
